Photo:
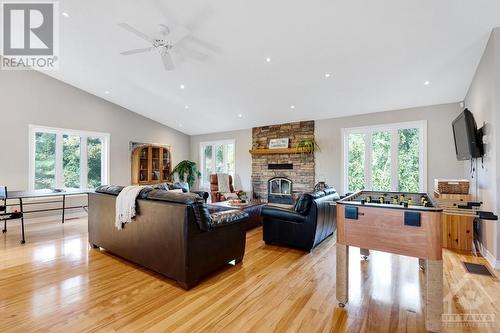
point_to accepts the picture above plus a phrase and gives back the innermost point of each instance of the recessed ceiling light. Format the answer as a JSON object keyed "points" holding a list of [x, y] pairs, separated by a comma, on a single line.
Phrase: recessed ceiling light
{"points": [[65, 14], [327, 75], [107, 92], [240, 115], [292, 107], [268, 59], [426, 83], [182, 86], [186, 107]]}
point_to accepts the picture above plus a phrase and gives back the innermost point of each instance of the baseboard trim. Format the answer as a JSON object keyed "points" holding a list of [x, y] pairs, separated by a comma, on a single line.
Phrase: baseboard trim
{"points": [[494, 263]]}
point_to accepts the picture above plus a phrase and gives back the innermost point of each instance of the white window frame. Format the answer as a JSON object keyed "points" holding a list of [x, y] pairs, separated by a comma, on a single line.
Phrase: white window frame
{"points": [[203, 183], [393, 128], [59, 174]]}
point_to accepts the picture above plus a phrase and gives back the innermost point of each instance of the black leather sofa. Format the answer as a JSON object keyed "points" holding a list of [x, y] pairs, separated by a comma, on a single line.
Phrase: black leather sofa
{"points": [[311, 221], [173, 234]]}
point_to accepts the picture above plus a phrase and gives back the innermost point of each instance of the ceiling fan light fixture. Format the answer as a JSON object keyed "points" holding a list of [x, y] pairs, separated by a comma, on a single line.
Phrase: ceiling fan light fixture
{"points": [[163, 44]]}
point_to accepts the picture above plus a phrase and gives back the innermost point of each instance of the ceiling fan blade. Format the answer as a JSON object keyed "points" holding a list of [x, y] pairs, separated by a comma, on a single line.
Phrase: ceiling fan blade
{"points": [[136, 32], [167, 13], [196, 21], [178, 34], [192, 53], [203, 43], [135, 51], [167, 61]]}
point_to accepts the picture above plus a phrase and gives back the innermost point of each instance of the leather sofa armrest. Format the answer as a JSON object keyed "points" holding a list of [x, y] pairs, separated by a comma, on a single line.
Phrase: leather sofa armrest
{"points": [[282, 214], [227, 217], [202, 194]]}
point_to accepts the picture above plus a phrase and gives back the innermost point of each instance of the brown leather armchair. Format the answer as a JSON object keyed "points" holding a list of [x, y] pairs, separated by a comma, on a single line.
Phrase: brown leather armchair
{"points": [[214, 189]]}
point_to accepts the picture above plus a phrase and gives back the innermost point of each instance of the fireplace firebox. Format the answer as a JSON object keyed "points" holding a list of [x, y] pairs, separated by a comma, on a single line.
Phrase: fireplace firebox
{"points": [[279, 190]]}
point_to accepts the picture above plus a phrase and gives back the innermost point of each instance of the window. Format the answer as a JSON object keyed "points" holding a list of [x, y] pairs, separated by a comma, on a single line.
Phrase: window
{"points": [[61, 158], [385, 158], [216, 157]]}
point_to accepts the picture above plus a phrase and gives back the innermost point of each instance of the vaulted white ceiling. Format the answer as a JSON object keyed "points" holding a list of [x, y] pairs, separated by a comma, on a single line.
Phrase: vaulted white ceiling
{"points": [[378, 53]]}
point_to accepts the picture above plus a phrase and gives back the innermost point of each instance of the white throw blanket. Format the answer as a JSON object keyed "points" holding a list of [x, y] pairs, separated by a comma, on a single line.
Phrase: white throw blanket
{"points": [[125, 205], [223, 183]]}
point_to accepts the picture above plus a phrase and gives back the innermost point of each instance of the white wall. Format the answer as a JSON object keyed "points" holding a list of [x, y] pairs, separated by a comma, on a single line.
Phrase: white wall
{"points": [[29, 97], [483, 99], [441, 158], [243, 159]]}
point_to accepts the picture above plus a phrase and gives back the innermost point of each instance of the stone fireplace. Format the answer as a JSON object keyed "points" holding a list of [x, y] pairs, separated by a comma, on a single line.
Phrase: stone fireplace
{"points": [[280, 176]]}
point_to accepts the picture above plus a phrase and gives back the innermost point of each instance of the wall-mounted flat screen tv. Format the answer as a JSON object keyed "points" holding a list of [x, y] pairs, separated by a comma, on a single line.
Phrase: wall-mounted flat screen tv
{"points": [[468, 143]]}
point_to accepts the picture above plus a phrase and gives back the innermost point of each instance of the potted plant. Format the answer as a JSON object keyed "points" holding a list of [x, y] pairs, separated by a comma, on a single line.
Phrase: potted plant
{"points": [[308, 146], [187, 171]]}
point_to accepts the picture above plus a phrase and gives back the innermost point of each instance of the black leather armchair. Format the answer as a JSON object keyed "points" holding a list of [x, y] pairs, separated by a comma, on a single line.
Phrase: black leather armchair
{"points": [[311, 221]]}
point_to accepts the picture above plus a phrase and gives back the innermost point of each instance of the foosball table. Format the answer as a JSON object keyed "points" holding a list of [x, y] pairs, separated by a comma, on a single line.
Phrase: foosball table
{"points": [[401, 223]]}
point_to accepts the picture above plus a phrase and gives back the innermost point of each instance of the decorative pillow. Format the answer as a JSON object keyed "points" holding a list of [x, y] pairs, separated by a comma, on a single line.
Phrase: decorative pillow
{"points": [[161, 186], [182, 185], [109, 189]]}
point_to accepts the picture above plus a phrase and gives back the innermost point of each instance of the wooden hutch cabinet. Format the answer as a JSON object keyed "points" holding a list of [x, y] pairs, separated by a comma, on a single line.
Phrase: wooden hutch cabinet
{"points": [[151, 164]]}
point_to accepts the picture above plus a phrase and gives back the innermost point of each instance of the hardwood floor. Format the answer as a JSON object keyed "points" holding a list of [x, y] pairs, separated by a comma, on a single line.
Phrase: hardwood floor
{"points": [[56, 283]]}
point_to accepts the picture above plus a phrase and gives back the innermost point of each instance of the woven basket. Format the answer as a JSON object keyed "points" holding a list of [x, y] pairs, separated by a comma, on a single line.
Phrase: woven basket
{"points": [[451, 186]]}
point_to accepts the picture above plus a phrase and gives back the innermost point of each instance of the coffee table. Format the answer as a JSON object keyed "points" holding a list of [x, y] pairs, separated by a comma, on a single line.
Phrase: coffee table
{"points": [[253, 208]]}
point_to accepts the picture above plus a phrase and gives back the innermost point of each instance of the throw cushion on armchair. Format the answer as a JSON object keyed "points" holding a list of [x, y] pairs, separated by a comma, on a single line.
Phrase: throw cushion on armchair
{"points": [[218, 196]]}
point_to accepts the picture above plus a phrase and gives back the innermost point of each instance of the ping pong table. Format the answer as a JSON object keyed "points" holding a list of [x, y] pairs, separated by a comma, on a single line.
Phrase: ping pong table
{"points": [[23, 199]]}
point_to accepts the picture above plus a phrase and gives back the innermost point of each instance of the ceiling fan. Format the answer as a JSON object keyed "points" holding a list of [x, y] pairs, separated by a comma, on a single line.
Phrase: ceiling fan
{"points": [[167, 41]]}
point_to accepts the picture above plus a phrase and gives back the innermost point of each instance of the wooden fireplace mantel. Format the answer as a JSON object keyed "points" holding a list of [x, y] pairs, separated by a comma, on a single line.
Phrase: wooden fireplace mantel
{"points": [[281, 151]]}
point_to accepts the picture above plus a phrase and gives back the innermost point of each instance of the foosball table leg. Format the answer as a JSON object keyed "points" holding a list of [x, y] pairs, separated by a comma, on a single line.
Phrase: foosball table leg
{"points": [[433, 295], [365, 253], [342, 286]]}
